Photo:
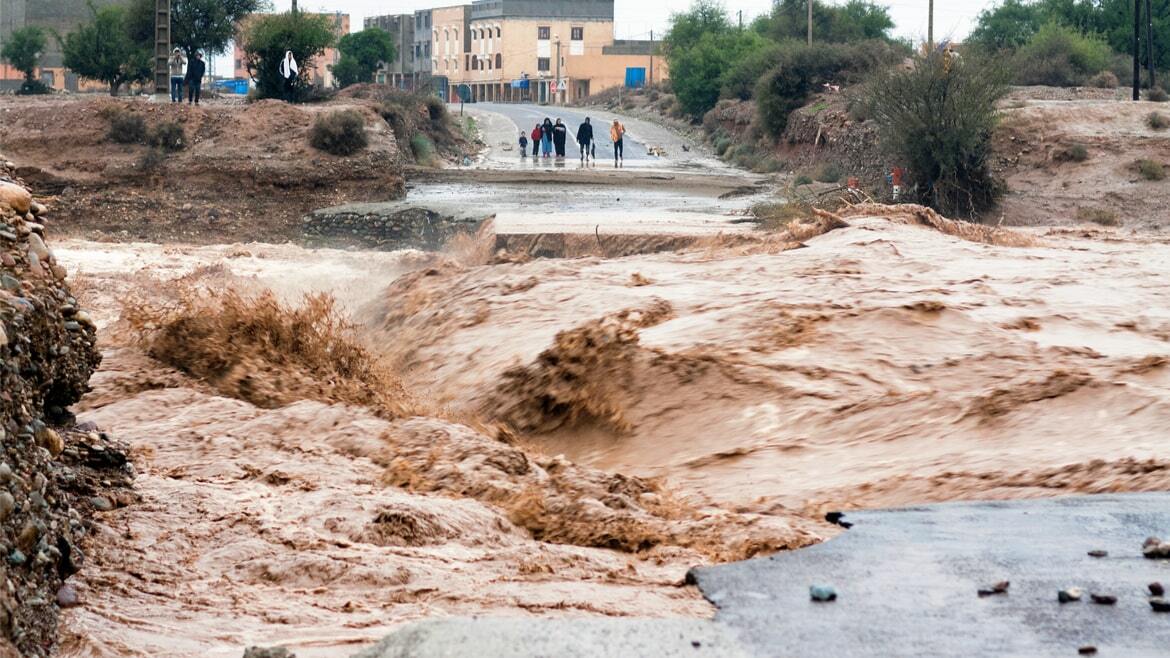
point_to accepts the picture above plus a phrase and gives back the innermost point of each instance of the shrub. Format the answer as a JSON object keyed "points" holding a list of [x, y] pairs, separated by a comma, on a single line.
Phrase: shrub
{"points": [[151, 161], [265, 40], [803, 179], [1157, 121], [168, 136], [1157, 95], [739, 81], [436, 108], [1061, 56], [423, 149], [1104, 80], [722, 143], [340, 133], [126, 128], [1074, 153], [938, 124], [1098, 216], [828, 172], [33, 88], [1150, 170]]}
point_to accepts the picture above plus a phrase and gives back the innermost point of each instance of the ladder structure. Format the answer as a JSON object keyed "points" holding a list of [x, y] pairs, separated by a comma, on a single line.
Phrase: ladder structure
{"points": [[162, 46]]}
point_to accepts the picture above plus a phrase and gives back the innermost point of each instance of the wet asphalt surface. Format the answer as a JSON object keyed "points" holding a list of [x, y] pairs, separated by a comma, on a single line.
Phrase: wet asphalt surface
{"points": [[527, 116], [907, 584]]}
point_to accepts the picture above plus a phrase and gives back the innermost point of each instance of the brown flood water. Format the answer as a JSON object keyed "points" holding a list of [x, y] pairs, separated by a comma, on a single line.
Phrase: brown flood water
{"points": [[884, 364]]}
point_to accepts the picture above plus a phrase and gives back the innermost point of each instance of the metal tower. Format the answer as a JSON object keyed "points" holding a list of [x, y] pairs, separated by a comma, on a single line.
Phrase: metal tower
{"points": [[162, 46]]}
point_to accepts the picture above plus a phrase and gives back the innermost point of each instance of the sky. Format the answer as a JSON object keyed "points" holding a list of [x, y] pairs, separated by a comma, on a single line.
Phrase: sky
{"points": [[634, 19]]}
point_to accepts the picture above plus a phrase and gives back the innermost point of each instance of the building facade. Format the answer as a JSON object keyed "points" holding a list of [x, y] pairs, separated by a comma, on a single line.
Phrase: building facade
{"points": [[423, 26], [450, 44], [60, 16], [399, 73]]}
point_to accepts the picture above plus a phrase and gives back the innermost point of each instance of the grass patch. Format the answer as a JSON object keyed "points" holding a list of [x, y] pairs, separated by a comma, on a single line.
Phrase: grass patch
{"points": [[828, 172], [1157, 95], [1150, 170], [1157, 121], [168, 136], [339, 133], [803, 179], [1100, 216], [1072, 153], [423, 149], [126, 128]]}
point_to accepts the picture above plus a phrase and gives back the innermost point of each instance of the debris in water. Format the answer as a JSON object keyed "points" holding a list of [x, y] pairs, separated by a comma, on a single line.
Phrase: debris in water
{"points": [[1156, 589], [1098, 553], [1103, 599], [67, 597], [1156, 549], [1069, 595], [998, 588], [1159, 604], [822, 593], [838, 518], [268, 652], [1087, 650]]}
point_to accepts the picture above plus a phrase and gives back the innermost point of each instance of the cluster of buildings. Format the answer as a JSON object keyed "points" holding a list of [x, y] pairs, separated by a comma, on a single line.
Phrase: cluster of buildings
{"points": [[543, 51], [59, 16]]}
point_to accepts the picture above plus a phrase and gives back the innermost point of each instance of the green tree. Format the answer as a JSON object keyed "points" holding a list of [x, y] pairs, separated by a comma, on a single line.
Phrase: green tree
{"points": [[361, 55], [1060, 56], [1010, 25], [23, 51], [853, 21], [206, 26], [103, 49], [266, 40]]}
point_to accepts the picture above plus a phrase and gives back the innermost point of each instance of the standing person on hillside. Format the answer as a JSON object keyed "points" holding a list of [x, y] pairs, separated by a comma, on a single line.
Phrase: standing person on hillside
{"points": [[178, 67], [560, 136], [195, 71], [546, 133], [585, 140], [289, 73], [537, 133], [617, 132]]}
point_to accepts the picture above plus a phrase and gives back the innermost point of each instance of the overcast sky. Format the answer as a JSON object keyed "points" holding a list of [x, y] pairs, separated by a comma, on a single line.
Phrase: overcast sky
{"points": [[635, 19]]}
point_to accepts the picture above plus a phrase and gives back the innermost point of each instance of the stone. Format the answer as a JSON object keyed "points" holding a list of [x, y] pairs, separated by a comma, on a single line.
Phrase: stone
{"points": [[3, 337], [6, 475], [67, 597], [998, 588], [1098, 553], [9, 283], [1103, 599], [822, 593], [1159, 604], [268, 652], [1069, 595], [48, 439], [1087, 650], [16, 197], [1156, 589], [101, 503], [16, 558], [38, 209], [7, 505], [1155, 549]]}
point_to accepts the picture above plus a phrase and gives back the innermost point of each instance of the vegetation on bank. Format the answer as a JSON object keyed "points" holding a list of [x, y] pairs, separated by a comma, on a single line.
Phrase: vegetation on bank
{"points": [[23, 52]]}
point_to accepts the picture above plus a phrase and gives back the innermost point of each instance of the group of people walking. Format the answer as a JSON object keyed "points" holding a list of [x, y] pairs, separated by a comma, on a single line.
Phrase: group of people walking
{"points": [[187, 73], [549, 137]]}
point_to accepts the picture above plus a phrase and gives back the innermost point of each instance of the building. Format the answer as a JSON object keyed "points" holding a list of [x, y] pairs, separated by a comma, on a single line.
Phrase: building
{"points": [[320, 73], [399, 73], [550, 51], [450, 43], [423, 25], [60, 16]]}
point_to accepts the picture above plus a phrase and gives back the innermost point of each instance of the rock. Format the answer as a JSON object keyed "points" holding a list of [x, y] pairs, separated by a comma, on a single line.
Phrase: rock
{"points": [[7, 505], [1159, 604], [3, 337], [268, 652], [1069, 595], [16, 558], [101, 504], [37, 246], [998, 588], [1087, 650], [1156, 589], [38, 209], [16, 197], [822, 593], [6, 475], [67, 597], [1156, 549], [1098, 553], [48, 439], [1103, 599]]}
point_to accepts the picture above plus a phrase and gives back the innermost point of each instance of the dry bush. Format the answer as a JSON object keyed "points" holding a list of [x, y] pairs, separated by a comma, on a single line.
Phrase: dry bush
{"points": [[339, 133], [1150, 170], [255, 348], [1157, 95], [1157, 121], [168, 136], [1100, 216], [1073, 153], [1104, 80], [126, 128]]}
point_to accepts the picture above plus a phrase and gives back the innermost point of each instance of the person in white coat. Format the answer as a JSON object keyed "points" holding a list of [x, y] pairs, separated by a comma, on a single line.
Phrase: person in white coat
{"points": [[289, 72]]}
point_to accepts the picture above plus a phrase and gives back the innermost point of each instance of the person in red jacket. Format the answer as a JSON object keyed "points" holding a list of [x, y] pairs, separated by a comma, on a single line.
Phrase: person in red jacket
{"points": [[537, 133]]}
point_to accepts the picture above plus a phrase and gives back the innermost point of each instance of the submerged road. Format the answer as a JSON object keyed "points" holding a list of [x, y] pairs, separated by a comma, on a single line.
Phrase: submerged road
{"points": [[525, 117], [906, 583]]}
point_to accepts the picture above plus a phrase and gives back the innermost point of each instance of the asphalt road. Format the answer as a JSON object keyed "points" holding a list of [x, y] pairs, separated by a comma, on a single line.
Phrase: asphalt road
{"points": [[527, 116], [907, 584]]}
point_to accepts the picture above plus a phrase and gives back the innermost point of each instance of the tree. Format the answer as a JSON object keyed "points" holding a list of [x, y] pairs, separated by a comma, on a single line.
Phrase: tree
{"points": [[853, 21], [208, 26], [361, 55], [103, 49], [266, 40], [937, 120], [704, 17], [23, 51]]}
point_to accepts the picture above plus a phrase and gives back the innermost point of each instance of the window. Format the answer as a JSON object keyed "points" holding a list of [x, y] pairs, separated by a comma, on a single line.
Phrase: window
{"points": [[543, 64], [474, 63], [497, 33], [428, 48], [578, 34], [466, 62], [543, 33], [489, 63], [499, 61]]}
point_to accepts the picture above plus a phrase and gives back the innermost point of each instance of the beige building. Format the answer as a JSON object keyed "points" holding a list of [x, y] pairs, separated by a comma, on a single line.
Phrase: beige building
{"points": [[450, 44], [544, 52]]}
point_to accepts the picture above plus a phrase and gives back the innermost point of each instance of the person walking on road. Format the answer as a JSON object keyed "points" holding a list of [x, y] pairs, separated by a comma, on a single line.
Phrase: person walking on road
{"points": [[537, 133], [195, 71], [178, 67], [585, 140], [617, 132], [560, 136], [546, 135], [523, 146]]}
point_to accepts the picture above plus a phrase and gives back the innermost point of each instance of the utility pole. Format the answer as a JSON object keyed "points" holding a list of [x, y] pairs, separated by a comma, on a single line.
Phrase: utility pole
{"points": [[162, 46], [1150, 42], [558, 80], [741, 19], [651, 58], [1137, 58], [294, 6], [930, 27], [810, 21]]}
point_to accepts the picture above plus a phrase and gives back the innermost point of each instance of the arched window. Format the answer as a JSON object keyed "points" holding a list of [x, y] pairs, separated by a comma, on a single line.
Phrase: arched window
{"points": [[497, 31], [499, 61]]}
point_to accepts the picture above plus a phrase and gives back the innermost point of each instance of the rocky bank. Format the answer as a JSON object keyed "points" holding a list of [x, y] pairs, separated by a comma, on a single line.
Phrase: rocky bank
{"points": [[47, 354]]}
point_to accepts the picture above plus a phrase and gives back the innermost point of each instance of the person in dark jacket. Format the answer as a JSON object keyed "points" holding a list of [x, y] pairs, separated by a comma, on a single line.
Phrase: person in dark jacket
{"points": [[560, 136], [546, 136], [523, 145], [585, 141], [537, 134], [195, 70]]}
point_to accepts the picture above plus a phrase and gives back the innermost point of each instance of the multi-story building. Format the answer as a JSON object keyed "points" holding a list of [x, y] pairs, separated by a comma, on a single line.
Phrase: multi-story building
{"points": [[55, 16], [423, 25], [451, 42], [320, 73], [400, 72]]}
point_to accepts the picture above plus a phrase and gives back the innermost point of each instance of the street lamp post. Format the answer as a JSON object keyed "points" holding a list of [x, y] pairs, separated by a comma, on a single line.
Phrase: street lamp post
{"points": [[557, 81]]}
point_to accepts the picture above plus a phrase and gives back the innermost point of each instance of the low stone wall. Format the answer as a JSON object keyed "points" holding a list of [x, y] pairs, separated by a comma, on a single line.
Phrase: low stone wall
{"points": [[387, 226]]}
